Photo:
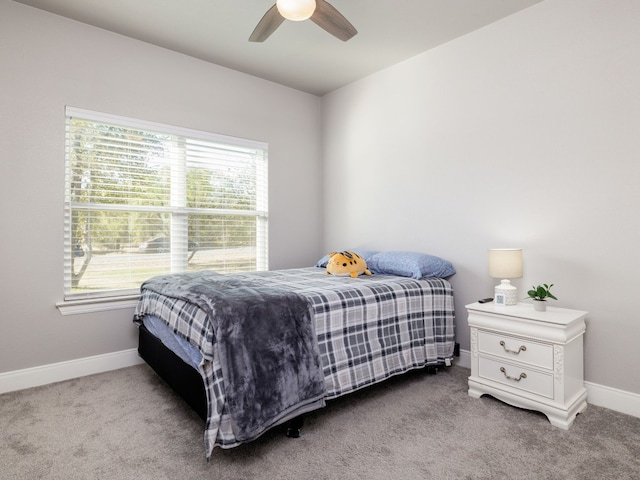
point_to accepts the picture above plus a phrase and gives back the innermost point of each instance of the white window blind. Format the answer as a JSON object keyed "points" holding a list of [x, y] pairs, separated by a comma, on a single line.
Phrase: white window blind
{"points": [[144, 199]]}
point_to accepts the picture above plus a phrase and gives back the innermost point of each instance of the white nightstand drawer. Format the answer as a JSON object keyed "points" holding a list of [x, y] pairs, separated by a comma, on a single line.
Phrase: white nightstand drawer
{"points": [[516, 376], [516, 349]]}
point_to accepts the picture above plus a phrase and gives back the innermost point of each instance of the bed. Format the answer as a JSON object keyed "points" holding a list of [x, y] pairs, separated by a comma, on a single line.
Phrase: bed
{"points": [[348, 333]]}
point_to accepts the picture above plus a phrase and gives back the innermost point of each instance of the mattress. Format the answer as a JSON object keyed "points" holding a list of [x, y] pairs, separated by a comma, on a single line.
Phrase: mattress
{"points": [[187, 352]]}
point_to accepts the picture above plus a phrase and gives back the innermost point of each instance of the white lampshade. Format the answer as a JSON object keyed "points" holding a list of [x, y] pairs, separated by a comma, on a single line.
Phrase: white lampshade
{"points": [[296, 10], [506, 263]]}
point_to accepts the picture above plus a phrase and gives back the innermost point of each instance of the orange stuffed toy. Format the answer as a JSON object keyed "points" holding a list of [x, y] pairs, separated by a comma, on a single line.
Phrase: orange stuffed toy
{"points": [[346, 263]]}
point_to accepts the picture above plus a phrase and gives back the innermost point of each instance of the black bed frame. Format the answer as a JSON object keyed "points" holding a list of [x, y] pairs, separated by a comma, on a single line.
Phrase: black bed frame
{"points": [[183, 378]]}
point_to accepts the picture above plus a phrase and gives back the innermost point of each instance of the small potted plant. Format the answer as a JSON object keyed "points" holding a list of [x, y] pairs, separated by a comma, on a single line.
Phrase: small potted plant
{"points": [[539, 295]]}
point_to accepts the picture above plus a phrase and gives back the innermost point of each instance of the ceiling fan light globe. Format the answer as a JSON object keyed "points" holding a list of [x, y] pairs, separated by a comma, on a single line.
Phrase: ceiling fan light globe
{"points": [[296, 10]]}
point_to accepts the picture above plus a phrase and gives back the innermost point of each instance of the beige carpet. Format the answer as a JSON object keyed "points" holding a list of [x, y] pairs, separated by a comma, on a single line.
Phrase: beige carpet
{"points": [[127, 424]]}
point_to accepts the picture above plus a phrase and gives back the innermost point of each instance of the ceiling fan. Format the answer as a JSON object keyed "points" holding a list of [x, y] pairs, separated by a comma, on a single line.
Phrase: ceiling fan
{"points": [[320, 12]]}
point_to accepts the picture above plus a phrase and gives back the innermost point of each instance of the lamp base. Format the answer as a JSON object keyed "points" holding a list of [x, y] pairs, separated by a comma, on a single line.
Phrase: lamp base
{"points": [[509, 292]]}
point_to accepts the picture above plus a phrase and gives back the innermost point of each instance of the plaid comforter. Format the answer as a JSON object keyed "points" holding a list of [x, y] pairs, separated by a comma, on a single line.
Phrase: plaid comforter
{"points": [[369, 328]]}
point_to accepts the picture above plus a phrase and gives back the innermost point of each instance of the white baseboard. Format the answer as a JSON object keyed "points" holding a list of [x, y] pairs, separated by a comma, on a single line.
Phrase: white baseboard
{"points": [[57, 372], [464, 360], [613, 399], [600, 395]]}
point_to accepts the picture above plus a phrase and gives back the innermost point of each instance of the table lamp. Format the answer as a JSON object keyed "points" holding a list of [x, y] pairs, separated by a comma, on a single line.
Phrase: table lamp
{"points": [[505, 263]]}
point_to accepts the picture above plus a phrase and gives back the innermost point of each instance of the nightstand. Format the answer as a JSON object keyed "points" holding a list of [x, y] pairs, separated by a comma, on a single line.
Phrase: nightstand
{"points": [[529, 359]]}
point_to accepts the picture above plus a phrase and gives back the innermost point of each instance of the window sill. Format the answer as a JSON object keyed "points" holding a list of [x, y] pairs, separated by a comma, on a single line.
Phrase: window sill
{"points": [[76, 307]]}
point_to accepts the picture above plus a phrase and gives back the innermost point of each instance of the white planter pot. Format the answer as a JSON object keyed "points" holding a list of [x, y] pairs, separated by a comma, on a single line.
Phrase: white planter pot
{"points": [[540, 305]]}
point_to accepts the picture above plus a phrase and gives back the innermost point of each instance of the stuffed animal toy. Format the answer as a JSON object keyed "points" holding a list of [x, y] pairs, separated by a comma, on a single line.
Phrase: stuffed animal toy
{"points": [[346, 263]]}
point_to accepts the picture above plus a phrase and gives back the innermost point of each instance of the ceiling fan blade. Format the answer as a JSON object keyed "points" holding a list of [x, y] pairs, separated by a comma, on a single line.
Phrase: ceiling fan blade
{"points": [[267, 25], [327, 17]]}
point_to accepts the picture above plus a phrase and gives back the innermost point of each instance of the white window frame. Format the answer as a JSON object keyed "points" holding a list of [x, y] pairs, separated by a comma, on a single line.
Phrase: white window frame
{"points": [[124, 298]]}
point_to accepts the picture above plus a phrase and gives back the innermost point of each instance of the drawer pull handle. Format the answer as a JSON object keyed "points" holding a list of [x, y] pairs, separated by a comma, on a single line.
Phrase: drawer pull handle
{"points": [[522, 375], [522, 348]]}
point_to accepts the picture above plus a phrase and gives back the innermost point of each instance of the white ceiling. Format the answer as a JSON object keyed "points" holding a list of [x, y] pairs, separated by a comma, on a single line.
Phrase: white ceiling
{"points": [[299, 54]]}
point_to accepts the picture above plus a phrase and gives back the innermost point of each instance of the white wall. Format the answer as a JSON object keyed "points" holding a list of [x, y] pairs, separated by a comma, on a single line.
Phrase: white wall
{"points": [[47, 62], [525, 133]]}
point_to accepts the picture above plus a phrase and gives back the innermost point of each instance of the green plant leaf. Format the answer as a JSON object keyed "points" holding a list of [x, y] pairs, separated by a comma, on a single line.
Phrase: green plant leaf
{"points": [[541, 292]]}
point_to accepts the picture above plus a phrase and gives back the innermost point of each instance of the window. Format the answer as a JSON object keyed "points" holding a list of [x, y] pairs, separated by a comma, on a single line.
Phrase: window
{"points": [[144, 199]]}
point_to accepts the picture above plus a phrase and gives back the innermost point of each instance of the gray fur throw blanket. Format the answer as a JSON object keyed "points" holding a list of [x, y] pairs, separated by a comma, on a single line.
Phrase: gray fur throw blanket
{"points": [[267, 344]]}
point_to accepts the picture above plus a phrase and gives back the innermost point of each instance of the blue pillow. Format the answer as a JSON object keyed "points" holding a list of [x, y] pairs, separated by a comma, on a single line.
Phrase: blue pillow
{"points": [[366, 254], [410, 264]]}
